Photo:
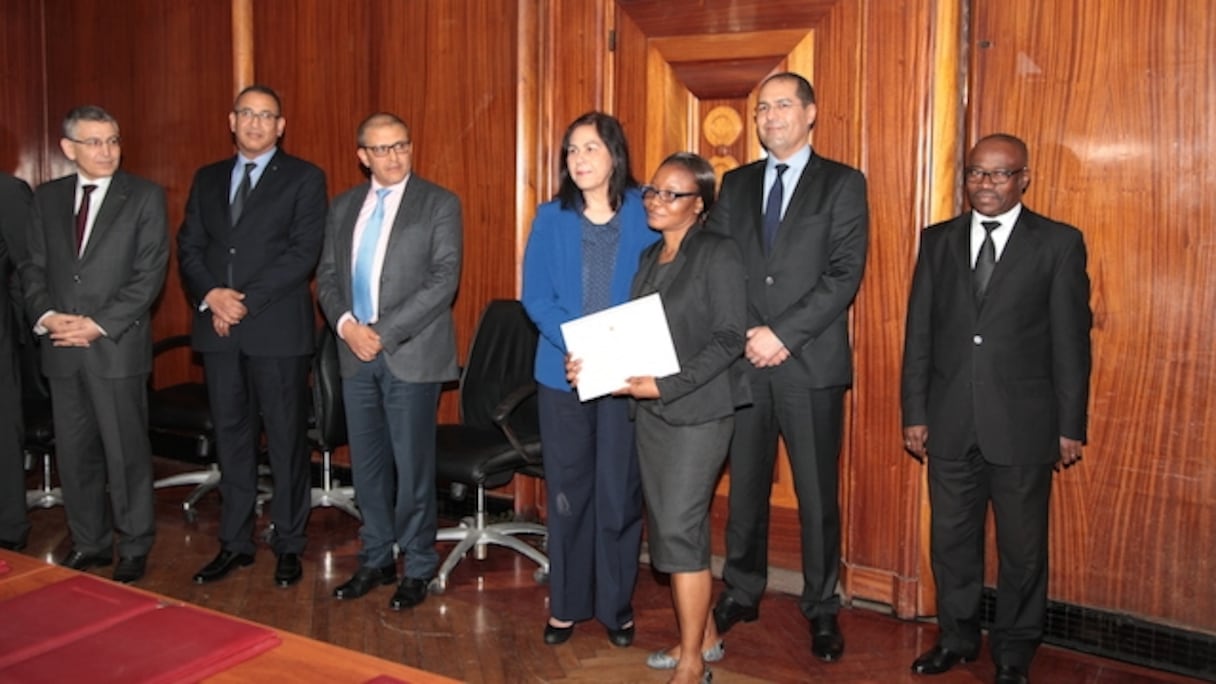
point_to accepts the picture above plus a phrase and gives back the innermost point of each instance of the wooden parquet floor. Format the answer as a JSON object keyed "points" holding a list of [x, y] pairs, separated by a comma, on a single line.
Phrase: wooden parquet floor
{"points": [[486, 628]]}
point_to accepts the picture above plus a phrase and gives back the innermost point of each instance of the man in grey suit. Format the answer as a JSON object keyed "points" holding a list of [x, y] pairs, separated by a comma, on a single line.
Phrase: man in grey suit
{"points": [[98, 250], [801, 222], [388, 274], [14, 213], [995, 388]]}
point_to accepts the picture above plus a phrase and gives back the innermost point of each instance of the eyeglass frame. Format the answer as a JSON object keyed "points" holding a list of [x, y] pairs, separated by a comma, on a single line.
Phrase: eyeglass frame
{"points": [[666, 196], [265, 116], [98, 143], [974, 174], [381, 151]]}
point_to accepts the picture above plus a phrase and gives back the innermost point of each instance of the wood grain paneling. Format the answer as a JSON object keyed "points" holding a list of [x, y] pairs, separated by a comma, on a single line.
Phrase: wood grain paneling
{"points": [[22, 124], [1115, 100]]}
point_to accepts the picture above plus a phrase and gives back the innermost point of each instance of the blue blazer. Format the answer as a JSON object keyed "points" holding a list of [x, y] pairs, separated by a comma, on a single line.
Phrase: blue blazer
{"points": [[553, 276]]}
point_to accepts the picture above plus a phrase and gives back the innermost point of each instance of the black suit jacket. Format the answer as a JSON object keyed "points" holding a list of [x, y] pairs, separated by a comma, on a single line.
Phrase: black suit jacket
{"points": [[418, 280], [269, 255], [802, 291], [707, 313], [115, 281], [14, 214], [1011, 372]]}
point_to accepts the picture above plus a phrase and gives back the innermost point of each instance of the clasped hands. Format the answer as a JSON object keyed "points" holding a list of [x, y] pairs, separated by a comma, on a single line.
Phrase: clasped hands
{"points": [[363, 341], [70, 330], [764, 349], [638, 387], [227, 309]]}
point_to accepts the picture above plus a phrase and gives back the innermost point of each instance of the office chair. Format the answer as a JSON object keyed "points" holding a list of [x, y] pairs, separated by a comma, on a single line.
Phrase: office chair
{"points": [[327, 430], [498, 436]]}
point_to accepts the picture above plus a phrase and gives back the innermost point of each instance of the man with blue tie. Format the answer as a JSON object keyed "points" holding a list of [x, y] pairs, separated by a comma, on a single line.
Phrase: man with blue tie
{"points": [[801, 221], [247, 249], [388, 275]]}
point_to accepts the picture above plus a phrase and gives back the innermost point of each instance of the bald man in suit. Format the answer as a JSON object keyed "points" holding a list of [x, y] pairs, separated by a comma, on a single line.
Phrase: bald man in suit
{"points": [[388, 275], [995, 387], [98, 251], [14, 214]]}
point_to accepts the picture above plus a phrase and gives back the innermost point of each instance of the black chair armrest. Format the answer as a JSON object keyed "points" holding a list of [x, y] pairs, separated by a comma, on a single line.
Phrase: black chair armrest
{"points": [[501, 416]]}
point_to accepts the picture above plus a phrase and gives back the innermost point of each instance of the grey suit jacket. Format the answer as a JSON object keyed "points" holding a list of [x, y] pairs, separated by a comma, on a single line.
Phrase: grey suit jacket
{"points": [[418, 280], [707, 313], [803, 289], [1011, 372], [115, 281]]}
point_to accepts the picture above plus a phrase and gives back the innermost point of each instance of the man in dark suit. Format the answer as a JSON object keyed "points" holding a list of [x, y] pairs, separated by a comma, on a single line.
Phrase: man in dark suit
{"points": [[251, 238], [14, 214], [388, 275], [801, 222], [98, 248], [995, 384]]}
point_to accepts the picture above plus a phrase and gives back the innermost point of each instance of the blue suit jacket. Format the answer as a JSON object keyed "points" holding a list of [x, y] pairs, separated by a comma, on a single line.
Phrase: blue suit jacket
{"points": [[553, 276]]}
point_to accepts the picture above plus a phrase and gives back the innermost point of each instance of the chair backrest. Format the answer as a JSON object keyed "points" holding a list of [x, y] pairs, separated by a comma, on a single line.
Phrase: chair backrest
{"points": [[329, 412], [500, 361]]}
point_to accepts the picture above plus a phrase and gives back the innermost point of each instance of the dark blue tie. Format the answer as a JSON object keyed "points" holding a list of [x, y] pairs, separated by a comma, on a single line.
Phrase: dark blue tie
{"points": [[772, 209]]}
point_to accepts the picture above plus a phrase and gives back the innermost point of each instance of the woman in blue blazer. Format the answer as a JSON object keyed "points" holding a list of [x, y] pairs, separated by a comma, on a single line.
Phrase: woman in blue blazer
{"points": [[581, 257]]}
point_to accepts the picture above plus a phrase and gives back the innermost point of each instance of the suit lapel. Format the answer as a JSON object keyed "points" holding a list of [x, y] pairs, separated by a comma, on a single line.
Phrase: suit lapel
{"points": [[346, 241], [1022, 244], [753, 191], [810, 187], [114, 200]]}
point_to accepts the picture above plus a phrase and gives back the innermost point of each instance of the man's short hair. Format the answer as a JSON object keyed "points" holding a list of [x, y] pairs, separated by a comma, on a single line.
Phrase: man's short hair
{"points": [[85, 113]]}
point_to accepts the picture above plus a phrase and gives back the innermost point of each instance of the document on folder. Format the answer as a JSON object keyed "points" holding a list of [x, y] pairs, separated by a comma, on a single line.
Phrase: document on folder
{"points": [[627, 340]]}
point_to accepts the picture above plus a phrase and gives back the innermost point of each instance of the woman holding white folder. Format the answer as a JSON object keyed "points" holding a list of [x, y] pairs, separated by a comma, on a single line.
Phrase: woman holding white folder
{"points": [[581, 256], [684, 421]]}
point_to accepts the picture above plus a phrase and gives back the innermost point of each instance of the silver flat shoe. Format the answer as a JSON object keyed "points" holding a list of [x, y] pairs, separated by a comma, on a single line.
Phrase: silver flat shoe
{"points": [[659, 660]]}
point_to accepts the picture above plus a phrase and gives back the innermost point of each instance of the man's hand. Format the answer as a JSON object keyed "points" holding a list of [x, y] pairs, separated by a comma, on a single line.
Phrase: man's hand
{"points": [[225, 304], [362, 340], [916, 441], [764, 349], [221, 328], [72, 331], [1070, 452]]}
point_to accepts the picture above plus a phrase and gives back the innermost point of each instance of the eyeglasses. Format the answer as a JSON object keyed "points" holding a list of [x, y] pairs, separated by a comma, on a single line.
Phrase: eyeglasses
{"points": [[780, 106], [649, 192], [249, 115], [974, 174], [98, 143], [382, 150]]}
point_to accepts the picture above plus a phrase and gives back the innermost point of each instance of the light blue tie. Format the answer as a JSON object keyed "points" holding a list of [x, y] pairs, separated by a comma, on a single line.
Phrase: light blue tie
{"points": [[365, 261]]}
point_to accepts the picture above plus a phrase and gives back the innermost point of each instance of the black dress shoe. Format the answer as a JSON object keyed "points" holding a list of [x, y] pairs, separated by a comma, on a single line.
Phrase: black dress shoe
{"points": [[729, 611], [364, 580], [938, 660], [130, 569], [410, 593], [1008, 674], [622, 637], [288, 569], [221, 565], [558, 635], [78, 560], [827, 643]]}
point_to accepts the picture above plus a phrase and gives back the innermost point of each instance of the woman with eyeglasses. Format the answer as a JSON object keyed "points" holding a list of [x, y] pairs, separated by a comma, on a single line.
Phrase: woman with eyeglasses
{"points": [[581, 256], [684, 421]]}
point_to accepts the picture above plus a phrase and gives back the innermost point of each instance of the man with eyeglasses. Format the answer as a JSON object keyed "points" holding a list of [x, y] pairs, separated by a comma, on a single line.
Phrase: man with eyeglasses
{"points": [[801, 222], [247, 249], [386, 282], [97, 251], [995, 386]]}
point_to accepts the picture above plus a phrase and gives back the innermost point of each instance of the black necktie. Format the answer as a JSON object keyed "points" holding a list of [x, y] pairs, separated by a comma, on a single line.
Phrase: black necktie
{"points": [[772, 209], [82, 216], [242, 194], [986, 261]]}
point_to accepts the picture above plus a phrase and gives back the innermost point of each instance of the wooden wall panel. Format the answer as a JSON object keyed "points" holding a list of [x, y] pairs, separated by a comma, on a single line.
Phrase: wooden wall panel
{"points": [[1115, 100], [22, 125]]}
